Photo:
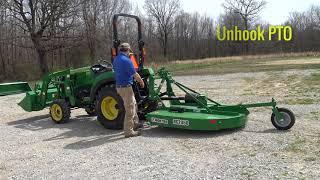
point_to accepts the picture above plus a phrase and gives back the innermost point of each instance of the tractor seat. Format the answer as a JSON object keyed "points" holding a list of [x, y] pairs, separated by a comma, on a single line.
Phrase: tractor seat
{"points": [[98, 69]]}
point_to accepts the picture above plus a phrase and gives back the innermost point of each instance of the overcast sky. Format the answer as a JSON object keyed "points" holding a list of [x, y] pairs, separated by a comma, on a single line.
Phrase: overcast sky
{"points": [[276, 11]]}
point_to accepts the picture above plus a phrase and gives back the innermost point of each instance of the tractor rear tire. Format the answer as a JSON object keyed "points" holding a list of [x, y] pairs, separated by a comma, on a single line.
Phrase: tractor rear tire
{"points": [[287, 122], [60, 111], [109, 108]]}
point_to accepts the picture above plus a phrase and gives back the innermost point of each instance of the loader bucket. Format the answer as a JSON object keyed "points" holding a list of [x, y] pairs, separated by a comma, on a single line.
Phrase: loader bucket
{"points": [[28, 103], [14, 88]]}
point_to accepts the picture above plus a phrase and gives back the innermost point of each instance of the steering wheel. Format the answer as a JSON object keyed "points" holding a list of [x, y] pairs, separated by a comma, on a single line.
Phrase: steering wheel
{"points": [[105, 64]]}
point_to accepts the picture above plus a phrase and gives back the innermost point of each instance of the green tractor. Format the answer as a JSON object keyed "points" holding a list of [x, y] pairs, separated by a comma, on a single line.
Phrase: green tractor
{"points": [[93, 88]]}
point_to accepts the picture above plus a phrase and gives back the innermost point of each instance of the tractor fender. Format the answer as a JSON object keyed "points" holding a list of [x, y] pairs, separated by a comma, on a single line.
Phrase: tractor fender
{"points": [[99, 85]]}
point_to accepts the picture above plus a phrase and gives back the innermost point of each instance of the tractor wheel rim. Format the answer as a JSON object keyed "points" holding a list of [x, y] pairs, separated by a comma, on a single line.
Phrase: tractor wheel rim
{"points": [[285, 121], [108, 108], [56, 112]]}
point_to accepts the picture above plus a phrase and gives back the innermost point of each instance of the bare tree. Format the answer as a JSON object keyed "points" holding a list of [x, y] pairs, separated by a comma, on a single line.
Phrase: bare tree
{"points": [[248, 9], [182, 34], [193, 36], [2, 22], [60, 33], [231, 19], [41, 19], [90, 13], [306, 29], [163, 11], [315, 16], [104, 25]]}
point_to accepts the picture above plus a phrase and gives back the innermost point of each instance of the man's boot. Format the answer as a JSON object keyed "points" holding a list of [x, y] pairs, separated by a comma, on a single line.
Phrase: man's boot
{"points": [[133, 134], [138, 126]]}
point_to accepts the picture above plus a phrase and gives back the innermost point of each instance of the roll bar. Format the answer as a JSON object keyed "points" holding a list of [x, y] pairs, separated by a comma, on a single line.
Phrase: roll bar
{"points": [[116, 41]]}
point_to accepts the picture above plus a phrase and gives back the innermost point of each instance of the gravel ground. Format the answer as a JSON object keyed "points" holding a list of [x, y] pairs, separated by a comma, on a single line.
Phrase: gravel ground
{"points": [[33, 147]]}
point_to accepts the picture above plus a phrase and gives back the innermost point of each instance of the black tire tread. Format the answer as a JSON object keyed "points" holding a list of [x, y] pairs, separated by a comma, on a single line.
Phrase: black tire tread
{"points": [[116, 124], [65, 111], [292, 117]]}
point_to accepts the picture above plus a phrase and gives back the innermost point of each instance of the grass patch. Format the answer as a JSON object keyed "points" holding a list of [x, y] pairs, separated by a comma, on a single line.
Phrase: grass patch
{"points": [[315, 77], [249, 79], [301, 101], [312, 80], [285, 174], [253, 154], [248, 92], [248, 173], [291, 78], [297, 145], [305, 87], [236, 65], [315, 115], [310, 159]]}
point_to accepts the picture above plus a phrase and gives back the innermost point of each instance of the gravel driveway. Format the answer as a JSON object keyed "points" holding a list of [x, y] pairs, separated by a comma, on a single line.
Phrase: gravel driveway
{"points": [[33, 147]]}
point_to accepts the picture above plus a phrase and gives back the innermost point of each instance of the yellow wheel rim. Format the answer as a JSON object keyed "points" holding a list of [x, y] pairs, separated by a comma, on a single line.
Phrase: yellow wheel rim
{"points": [[108, 108], [56, 112]]}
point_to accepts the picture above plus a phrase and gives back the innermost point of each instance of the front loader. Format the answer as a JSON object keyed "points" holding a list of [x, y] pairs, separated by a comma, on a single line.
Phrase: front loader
{"points": [[93, 88]]}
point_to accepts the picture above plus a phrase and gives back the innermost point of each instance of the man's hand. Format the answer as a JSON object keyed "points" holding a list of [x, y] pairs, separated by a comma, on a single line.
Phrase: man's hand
{"points": [[139, 79]]}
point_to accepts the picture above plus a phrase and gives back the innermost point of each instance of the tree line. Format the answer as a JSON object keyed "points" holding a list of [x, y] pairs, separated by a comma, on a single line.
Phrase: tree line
{"points": [[39, 36]]}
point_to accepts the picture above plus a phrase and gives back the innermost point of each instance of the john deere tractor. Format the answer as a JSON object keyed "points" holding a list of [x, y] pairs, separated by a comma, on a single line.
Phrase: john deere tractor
{"points": [[93, 88]]}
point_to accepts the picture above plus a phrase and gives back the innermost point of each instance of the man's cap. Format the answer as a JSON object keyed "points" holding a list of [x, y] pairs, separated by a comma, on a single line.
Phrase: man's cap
{"points": [[125, 46]]}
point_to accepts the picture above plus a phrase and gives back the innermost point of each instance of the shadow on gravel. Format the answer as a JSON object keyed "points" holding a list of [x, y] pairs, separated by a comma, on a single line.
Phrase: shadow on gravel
{"points": [[85, 127], [93, 134], [96, 141], [157, 132], [269, 131], [28, 120]]}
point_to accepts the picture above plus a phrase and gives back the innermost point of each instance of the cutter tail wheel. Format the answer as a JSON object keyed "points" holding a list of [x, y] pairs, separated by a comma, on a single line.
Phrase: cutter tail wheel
{"points": [[60, 111], [91, 111], [110, 109], [286, 121]]}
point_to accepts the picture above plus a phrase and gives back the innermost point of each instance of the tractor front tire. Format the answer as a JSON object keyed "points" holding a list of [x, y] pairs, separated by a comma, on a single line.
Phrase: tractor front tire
{"points": [[286, 122], [60, 111], [109, 108]]}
